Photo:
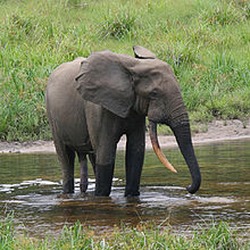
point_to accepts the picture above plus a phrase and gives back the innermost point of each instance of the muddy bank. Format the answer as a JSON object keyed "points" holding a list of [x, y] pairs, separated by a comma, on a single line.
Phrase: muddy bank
{"points": [[216, 131]]}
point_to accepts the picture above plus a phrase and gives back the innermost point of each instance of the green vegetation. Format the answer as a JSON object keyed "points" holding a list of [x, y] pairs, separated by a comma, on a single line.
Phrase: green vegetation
{"points": [[216, 236], [206, 42]]}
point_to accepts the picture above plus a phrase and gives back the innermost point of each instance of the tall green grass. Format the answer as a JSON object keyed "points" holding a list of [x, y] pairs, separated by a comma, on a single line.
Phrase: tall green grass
{"points": [[144, 236], [206, 42]]}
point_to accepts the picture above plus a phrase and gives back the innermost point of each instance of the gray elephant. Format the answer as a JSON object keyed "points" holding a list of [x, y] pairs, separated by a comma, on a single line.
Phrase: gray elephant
{"points": [[92, 102]]}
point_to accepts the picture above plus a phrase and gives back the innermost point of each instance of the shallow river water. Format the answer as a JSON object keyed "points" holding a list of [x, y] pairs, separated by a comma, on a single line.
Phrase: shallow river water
{"points": [[30, 185]]}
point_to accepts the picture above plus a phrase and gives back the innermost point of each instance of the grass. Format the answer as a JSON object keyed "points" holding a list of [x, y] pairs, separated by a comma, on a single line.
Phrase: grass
{"points": [[144, 236], [206, 42]]}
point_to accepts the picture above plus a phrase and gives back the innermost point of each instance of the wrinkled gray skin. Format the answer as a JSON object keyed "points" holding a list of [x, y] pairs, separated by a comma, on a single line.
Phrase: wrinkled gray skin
{"points": [[92, 102]]}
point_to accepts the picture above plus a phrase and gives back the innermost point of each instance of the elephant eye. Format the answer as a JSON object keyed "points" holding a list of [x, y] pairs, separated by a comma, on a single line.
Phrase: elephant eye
{"points": [[154, 94]]}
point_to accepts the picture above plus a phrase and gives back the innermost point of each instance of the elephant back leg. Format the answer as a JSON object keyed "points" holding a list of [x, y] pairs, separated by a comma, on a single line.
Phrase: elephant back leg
{"points": [[84, 169], [92, 159], [66, 156], [83, 172]]}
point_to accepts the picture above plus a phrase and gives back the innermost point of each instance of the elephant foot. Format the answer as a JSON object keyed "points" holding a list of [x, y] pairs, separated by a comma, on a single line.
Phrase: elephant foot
{"points": [[68, 186], [83, 187], [104, 176], [129, 193], [102, 191]]}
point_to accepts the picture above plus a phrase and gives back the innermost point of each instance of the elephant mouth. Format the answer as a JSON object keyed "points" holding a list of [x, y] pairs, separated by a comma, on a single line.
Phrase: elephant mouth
{"points": [[157, 148]]}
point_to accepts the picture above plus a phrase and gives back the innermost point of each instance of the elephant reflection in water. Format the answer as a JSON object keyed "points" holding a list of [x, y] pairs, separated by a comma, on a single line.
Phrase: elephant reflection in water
{"points": [[91, 102]]}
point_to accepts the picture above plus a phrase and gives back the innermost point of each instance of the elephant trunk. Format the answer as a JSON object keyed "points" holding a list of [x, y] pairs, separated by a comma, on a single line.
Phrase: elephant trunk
{"points": [[156, 146], [183, 136]]}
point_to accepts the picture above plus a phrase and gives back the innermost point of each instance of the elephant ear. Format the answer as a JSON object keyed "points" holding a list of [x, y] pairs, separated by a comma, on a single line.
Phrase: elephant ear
{"points": [[143, 53], [104, 79]]}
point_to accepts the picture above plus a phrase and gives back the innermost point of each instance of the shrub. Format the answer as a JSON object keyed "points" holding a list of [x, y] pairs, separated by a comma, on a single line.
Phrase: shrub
{"points": [[118, 25]]}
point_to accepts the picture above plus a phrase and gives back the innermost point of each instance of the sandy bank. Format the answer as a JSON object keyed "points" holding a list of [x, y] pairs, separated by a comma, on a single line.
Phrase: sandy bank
{"points": [[216, 131]]}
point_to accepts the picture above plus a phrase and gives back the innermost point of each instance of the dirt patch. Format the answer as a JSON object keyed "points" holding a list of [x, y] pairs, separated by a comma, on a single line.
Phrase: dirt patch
{"points": [[216, 131]]}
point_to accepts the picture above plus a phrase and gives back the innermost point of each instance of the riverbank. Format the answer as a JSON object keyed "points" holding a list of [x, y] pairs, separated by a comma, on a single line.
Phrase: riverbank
{"points": [[216, 131], [215, 236]]}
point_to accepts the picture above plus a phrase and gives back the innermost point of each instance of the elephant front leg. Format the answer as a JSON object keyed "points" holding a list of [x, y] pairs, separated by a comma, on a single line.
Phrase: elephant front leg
{"points": [[104, 135], [135, 150], [104, 177], [104, 168]]}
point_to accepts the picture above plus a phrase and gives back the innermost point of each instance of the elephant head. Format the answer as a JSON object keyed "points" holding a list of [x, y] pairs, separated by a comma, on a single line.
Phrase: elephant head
{"points": [[121, 83]]}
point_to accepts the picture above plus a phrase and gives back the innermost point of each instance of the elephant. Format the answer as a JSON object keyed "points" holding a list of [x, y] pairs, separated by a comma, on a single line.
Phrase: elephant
{"points": [[91, 102]]}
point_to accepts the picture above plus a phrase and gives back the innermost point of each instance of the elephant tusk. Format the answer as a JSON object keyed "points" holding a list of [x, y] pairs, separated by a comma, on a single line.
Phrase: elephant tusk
{"points": [[156, 147]]}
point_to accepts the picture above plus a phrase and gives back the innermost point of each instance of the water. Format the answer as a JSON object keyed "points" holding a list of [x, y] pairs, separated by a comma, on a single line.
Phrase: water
{"points": [[30, 185]]}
